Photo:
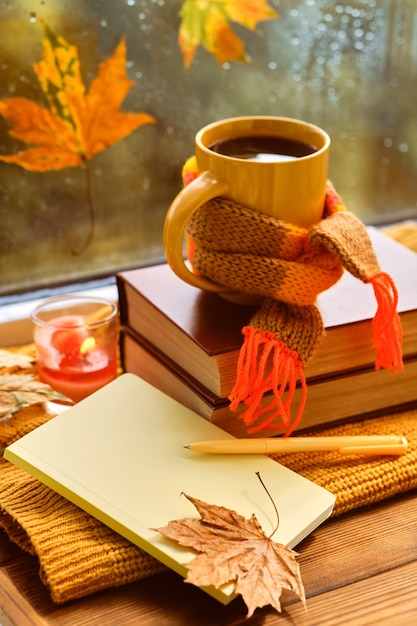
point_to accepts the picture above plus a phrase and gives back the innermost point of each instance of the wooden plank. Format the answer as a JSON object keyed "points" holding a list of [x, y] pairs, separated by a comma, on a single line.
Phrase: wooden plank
{"points": [[360, 564], [385, 599], [362, 543], [14, 609]]}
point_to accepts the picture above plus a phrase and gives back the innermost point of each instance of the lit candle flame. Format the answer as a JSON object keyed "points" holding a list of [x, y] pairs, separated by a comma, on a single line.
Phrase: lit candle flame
{"points": [[87, 345]]}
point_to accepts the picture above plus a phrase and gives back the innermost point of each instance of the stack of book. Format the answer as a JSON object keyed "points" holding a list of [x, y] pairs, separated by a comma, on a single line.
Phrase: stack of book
{"points": [[186, 342]]}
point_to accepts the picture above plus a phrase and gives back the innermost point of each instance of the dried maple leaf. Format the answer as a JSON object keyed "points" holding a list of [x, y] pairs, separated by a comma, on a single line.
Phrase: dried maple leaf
{"points": [[76, 125], [206, 23], [20, 391], [236, 550], [14, 359]]}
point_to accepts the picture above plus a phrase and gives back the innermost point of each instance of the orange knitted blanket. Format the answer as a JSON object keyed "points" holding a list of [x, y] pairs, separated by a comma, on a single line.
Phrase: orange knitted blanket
{"points": [[287, 266], [78, 555]]}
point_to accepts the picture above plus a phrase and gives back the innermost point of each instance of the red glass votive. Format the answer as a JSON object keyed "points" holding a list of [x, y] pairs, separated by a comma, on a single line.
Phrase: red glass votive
{"points": [[76, 341]]}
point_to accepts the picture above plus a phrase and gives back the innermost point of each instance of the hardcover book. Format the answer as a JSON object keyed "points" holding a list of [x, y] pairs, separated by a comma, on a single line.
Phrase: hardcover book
{"points": [[345, 396], [201, 332], [119, 455]]}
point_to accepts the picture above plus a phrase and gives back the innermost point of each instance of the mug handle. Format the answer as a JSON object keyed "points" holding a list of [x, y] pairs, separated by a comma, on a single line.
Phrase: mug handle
{"points": [[202, 189]]}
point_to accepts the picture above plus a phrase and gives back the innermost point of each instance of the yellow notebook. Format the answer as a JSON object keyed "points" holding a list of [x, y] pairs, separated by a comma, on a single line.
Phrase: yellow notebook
{"points": [[119, 455]]}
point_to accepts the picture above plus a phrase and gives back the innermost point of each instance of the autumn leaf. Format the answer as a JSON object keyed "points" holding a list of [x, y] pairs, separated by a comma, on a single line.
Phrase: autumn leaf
{"points": [[77, 124], [14, 359], [233, 549], [20, 391], [206, 23]]}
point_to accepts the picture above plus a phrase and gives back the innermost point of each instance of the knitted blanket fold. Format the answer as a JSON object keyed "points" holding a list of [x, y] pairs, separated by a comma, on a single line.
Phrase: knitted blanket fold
{"points": [[287, 267], [78, 555]]}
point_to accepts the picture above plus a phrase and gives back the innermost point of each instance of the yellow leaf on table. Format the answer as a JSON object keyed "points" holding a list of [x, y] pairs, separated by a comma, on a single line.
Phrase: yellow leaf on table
{"points": [[20, 391], [9, 359]]}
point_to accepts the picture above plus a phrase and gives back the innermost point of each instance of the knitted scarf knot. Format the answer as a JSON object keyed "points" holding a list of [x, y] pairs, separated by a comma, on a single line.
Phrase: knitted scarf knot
{"points": [[287, 267]]}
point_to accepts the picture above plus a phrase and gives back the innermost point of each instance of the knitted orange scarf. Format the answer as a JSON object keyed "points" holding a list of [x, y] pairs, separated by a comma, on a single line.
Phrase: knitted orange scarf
{"points": [[287, 266]]}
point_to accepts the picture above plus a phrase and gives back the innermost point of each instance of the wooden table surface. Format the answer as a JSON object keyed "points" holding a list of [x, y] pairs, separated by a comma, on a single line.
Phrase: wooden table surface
{"points": [[357, 569]]}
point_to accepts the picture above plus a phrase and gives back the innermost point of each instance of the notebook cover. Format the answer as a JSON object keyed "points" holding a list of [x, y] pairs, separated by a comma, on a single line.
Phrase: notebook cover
{"points": [[119, 454]]}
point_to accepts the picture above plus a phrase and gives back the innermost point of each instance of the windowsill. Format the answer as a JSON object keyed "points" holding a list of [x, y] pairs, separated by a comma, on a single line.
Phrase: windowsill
{"points": [[15, 323]]}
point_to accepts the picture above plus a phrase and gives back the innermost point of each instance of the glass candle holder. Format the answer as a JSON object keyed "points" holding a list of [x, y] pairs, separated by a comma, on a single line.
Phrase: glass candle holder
{"points": [[76, 339]]}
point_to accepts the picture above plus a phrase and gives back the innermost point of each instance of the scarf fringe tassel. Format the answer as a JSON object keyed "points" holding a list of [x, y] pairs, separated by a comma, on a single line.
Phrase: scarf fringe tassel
{"points": [[267, 365], [386, 324], [256, 377]]}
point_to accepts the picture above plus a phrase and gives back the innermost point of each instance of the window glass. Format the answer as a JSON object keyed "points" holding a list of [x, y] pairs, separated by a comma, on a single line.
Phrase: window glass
{"points": [[349, 67]]}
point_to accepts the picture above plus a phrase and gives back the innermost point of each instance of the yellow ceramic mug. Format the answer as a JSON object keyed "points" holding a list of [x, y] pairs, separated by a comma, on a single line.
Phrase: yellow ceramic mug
{"points": [[258, 176]]}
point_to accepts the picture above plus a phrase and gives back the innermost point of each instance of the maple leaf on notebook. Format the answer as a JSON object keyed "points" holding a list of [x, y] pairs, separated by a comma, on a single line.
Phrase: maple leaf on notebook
{"points": [[234, 549], [207, 24]]}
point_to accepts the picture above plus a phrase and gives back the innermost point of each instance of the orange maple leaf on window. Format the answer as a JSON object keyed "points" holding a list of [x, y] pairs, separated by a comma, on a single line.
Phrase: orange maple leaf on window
{"points": [[206, 23], [77, 124]]}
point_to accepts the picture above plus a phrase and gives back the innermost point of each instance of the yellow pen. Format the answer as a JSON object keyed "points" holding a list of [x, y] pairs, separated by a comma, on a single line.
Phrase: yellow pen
{"points": [[355, 444]]}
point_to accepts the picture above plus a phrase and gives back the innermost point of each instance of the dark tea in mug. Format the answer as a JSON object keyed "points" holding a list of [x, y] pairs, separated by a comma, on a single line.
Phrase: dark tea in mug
{"points": [[263, 149]]}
